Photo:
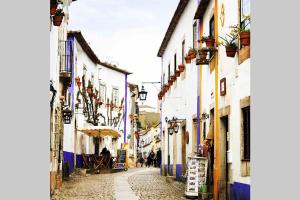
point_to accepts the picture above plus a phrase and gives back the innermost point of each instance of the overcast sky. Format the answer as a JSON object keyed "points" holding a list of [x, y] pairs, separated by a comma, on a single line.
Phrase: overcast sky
{"points": [[127, 33]]}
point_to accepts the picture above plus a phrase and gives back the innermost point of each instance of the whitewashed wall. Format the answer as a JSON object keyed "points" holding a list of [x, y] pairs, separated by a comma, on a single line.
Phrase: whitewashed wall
{"points": [[181, 100]]}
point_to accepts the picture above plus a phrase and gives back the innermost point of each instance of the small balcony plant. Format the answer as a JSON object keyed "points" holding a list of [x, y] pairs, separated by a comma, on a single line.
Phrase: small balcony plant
{"points": [[230, 43], [243, 31], [203, 53], [181, 68], [192, 53], [177, 73], [58, 17], [53, 7], [187, 59], [209, 41]]}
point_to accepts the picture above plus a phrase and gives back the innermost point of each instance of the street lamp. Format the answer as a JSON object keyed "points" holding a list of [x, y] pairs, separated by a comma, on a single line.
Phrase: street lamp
{"points": [[143, 94], [67, 114]]}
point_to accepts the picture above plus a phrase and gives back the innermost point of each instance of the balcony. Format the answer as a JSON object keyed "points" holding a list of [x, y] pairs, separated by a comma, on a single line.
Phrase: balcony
{"points": [[66, 62]]}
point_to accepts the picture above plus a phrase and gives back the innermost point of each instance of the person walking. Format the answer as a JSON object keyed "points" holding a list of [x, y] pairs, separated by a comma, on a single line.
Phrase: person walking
{"points": [[158, 158]]}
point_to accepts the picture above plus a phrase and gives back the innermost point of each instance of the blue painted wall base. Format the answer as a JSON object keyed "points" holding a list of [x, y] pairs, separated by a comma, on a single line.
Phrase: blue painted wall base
{"points": [[239, 191]]}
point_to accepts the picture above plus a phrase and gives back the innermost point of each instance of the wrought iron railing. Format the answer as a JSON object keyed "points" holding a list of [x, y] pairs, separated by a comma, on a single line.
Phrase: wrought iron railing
{"points": [[66, 57]]}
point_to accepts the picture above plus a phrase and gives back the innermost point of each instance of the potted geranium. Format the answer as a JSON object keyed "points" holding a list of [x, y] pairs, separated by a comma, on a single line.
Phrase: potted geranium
{"points": [[203, 53], [173, 78], [230, 43], [58, 17], [181, 67], [187, 59], [192, 53], [209, 41]]}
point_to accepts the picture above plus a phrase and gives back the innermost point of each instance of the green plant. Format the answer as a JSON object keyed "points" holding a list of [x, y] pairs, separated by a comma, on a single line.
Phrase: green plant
{"points": [[229, 41], [205, 49], [243, 29], [204, 38], [192, 50], [59, 12]]}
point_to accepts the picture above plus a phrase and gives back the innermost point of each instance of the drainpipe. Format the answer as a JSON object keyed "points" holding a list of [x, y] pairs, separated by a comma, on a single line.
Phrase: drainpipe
{"points": [[198, 94], [160, 105], [125, 108]]}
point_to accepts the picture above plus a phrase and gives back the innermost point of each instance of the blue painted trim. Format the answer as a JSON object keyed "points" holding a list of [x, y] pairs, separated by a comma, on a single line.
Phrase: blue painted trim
{"points": [[125, 108], [239, 191], [178, 172], [79, 161], [68, 157]]}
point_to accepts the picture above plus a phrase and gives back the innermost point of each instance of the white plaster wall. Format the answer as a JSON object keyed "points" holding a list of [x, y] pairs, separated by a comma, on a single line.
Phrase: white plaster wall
{"points": [[181, 100]]}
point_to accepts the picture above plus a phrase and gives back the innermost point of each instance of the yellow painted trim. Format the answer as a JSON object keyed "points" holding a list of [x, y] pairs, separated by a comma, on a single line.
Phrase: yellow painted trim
{"points": [[200, 84], [217, 163]]}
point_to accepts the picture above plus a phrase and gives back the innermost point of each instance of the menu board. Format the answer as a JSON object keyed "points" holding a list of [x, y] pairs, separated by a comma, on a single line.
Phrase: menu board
{"points": [[196, 175], [121, 156]]}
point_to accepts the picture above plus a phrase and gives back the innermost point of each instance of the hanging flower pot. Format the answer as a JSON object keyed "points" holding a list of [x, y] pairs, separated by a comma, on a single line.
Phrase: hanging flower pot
{"points": [[230, 51], [210, 42], [203, 53], [181, 68], [53, 8], [177, 73], [245, 38], [187, 59], [58, 17], [173, 78], [192, 53], [170, 82]]}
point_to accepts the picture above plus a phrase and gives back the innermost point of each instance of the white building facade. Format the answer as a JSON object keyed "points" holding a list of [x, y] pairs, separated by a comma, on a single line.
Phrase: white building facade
{"points": [[215, 94], [99, 98]]}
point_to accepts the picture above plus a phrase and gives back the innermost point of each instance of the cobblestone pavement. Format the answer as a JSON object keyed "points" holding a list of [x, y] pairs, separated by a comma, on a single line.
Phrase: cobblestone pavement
{"points": [[149, 185], [145, 183]]}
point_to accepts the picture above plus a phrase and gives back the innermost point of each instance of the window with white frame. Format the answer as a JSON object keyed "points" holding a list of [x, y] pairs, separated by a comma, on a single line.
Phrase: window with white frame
{"points": [[245, 11], [102, 92], [115, 96]]}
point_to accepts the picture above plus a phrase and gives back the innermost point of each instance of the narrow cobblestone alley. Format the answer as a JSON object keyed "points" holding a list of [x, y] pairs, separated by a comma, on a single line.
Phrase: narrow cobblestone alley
{"points": [[138, 183]]}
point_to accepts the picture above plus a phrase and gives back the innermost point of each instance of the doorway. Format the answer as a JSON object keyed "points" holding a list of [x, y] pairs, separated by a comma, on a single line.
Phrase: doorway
{"points": [[224, 165], [210, 137], [183, 149]]}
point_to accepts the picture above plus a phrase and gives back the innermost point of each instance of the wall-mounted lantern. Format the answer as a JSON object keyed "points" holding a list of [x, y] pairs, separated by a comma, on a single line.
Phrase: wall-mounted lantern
{"points": [[67, 115]]}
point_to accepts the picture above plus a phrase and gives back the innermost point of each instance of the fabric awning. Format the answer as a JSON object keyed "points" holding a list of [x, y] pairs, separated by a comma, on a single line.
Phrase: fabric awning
{"points": [[98, 131]]}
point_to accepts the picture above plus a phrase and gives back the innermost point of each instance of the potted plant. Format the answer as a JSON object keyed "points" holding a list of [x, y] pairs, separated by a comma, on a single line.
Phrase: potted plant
{"points": [[192, 53], [53, 7], [187, 59], [203, 53], [244, 32], [177, 73], [209, 41], [58, 17], [170, 82], [230, 43], [181, 68]]}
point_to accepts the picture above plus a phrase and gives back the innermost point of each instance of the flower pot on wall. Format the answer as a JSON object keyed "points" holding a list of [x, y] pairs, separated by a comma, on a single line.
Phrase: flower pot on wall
{"points": [[181, 68], [177, 73], [203, 55], [191, 54], [53, 8], [210, 42], [245, 38], [173, 78], [230, 51], [187, 60], [170, 82], [57, 19]]}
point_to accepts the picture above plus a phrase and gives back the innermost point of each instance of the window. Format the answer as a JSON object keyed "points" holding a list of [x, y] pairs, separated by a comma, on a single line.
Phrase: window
{"points": [[169, 72], [182, 51], [195, 35], [175, 63], [211, 31], [245, 11], [212, 26], [115, 96], [102, 92], [246, 132]]}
